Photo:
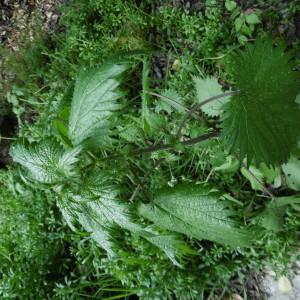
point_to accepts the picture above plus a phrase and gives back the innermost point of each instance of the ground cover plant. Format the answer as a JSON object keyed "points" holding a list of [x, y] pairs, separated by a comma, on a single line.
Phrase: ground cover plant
{"points": [[175, 181]]}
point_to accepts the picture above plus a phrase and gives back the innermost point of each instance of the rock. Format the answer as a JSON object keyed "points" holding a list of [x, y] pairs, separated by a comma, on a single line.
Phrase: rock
{"points": [[49, 14], [236, 297], [268, 285], [284, 285], [296, 267]]}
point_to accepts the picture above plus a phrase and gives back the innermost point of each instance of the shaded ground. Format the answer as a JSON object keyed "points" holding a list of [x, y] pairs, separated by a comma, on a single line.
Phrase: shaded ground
{"points": [[283, 288], [20, 22], [18, 16]]}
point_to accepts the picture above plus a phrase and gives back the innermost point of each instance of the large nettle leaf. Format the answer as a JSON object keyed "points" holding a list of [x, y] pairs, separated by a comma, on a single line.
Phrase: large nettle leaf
{"points": [[197, 211], [47, 162], [94, 100], [262, 122], [99, 211]]}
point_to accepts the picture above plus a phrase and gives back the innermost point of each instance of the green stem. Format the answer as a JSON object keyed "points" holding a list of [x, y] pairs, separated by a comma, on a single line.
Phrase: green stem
{"points": [[7, 138], [145, 93]]}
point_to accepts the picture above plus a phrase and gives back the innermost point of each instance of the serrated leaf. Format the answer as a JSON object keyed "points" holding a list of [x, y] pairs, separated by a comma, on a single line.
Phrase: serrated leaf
{"points": [[108, 208], [206, 88], [252, 18], [291, 171], [170, 100], [95, 98], [272, 216], [131, 133], [196, 211], [100, 234], [170, 244], [272, 219], [230, 5], [101, 138], [262, 122], [99, 211], [264, 174], [47, 162]]}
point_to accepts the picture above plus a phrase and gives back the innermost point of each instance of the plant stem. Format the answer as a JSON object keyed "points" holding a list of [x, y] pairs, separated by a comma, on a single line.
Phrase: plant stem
{"points": [[171, 146], [156, 148], [168, 100], [7, 138], [145, 93], [266, 190], [195, 107]]}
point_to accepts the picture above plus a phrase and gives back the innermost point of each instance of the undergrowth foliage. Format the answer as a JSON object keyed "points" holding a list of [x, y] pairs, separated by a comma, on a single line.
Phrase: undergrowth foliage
{"points": [[262, 121], [259, 121]]}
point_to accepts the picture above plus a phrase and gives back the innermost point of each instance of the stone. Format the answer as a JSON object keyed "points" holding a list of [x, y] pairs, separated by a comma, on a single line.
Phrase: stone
{"points": [[284, 285]]}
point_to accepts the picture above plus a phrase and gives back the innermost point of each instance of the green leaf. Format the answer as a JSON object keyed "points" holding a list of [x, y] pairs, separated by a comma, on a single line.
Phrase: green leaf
{"points": [[291, 171], [98, 209], [272, 175], [171, 99], [47, 162], [221, 162], [206, 88], [272, 216], [239, 22], [230, 5], [95, 98], [170, 244], [231, 165], [264, 174], [109, 209], [255, 185], [262, 122], [196, 211], [131, 133], [100, 138], [283, 201], [252, 18]]}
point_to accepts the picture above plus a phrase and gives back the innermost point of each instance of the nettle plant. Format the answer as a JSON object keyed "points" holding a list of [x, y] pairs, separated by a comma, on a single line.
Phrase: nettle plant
{"points": [[259, 124]]}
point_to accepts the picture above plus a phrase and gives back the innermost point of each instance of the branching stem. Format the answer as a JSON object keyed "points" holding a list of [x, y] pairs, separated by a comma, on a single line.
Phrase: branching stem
{"points": [[195, 107]]}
